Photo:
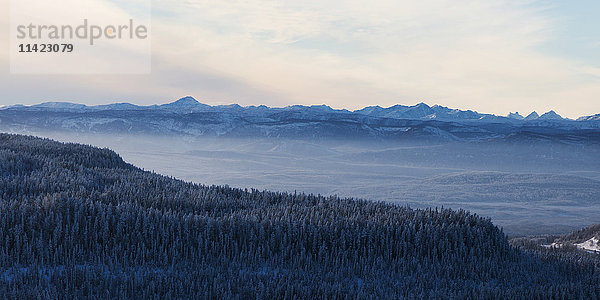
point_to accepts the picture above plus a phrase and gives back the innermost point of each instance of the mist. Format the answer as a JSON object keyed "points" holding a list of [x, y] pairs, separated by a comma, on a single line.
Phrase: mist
{"points": [[525, 188]]}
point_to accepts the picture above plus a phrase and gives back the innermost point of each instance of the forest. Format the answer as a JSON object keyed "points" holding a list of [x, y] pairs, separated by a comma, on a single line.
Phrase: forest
{"points": [[77, 221]]}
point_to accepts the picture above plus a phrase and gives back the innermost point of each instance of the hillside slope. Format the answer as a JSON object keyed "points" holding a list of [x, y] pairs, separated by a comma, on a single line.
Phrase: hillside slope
{"points": [[77, 221]]}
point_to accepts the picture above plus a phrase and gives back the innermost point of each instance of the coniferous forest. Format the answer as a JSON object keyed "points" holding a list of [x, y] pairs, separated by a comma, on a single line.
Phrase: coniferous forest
{"points": [[77, 221]]}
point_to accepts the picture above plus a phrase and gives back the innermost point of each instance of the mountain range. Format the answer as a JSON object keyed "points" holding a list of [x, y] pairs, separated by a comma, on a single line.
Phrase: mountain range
{"points": [[187, 116], [419, 111]]}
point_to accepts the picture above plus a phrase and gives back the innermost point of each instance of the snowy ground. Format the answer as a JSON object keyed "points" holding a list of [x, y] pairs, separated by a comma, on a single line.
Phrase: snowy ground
{"points": [[592, 245]]}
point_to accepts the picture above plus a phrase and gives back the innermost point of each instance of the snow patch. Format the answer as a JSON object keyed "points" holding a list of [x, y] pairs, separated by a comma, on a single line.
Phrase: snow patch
{"points": [[592, 245], [553, 246]]}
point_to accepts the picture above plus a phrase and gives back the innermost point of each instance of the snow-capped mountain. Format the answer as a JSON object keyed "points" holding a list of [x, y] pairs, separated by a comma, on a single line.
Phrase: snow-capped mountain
{"points": [[187, 116], [422, 111]]}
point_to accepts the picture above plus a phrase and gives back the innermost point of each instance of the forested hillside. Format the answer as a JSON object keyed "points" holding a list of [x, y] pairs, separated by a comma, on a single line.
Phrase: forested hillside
{"points": [[78, 221]]}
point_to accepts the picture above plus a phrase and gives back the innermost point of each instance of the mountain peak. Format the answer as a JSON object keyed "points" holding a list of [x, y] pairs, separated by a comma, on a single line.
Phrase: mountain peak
{"points": [[322, 107], [551, 115], [532, 116], [515, 115], [422, 105], [186, 101], [185, 104]]}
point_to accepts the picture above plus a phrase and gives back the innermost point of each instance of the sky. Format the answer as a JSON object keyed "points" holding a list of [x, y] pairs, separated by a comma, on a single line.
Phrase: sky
{"points": [[493, 56]]}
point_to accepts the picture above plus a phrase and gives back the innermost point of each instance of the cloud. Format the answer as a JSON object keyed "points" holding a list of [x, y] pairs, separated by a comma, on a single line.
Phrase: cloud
{"points": [[593, 71], [482, 55]]}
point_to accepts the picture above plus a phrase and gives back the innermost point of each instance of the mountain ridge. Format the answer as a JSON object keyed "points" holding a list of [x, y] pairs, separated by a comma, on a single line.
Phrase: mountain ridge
{"points": [[420, 111], [188, 117]]}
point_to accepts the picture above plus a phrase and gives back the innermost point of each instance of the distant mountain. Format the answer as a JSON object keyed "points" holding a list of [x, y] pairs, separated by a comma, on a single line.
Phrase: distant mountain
{"points": [[551, 115], [118, 106], [532, 116], [189, 117], [184, 105], [590, 118], [419, 111], [515, 115], [422, 111], [58, 106]]}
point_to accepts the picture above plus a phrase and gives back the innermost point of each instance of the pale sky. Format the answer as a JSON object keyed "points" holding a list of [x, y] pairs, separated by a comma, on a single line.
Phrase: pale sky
{"points": [[493, 56]]}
